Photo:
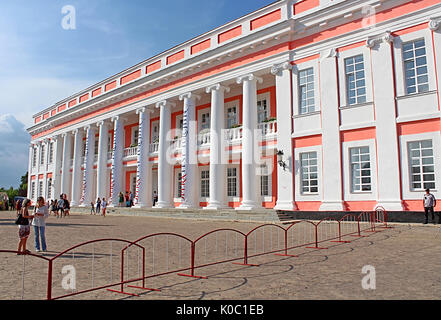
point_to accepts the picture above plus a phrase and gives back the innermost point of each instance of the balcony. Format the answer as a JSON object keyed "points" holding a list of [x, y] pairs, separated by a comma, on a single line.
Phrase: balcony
{"points": [[130, 152], [154, 147]]}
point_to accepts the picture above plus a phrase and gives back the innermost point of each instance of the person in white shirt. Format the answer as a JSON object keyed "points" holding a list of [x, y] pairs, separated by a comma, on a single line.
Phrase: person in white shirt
{"points": [[39, 222], [429, 203], [104, 206]]}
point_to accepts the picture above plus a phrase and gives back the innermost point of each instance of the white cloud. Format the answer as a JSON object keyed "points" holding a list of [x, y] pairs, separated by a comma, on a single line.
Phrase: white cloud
{"points": [[14, 151]]}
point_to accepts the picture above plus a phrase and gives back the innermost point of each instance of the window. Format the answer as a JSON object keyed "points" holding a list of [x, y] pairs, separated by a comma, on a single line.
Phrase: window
{"points": [[155, 133], [179, 186], [231, 117], [135, 135], [49, 188], [422, 171], [306, 91], [40, 188], [34, 157], [232, 182], [205, 121], [360, 169], [42, 154], [84, 149], [205, 183], [109, 144], [309, 172], [264, 181], [134, 184], [415, 66], [51, 153], [262, 111], [96, 147], [355, 80], [32, 190]]}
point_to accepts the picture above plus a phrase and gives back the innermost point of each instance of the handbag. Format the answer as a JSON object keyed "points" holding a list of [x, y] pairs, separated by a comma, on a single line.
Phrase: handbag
{"points": [[21, 221]]}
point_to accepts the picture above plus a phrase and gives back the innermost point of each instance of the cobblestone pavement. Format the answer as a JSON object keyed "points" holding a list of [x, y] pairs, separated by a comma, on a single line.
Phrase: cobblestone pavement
{"points": [[406, 258]]}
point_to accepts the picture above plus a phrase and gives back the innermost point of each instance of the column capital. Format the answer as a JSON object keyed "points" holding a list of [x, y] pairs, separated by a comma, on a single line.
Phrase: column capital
{"points": [[65, 134], [329, 53], [75, 131], [386, 37], [164, 103], [118, 118], [248, 77], [189, 95], [101, 123], [434, 23], [277, 68], [143, 110], [217, 87]]}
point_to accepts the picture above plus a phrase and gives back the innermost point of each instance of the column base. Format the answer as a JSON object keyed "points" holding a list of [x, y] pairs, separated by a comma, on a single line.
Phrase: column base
{"points": [[390, 205], [216, 206], [250, 205], [188, 206], [163, 205], [332, 206], [142, 205], [285, 205]]}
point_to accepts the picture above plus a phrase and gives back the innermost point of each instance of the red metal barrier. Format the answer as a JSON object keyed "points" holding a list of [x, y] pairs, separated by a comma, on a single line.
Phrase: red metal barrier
{"points": [[330, 230]]}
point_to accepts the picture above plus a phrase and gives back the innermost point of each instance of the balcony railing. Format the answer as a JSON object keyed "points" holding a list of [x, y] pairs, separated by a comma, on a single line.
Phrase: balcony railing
{"points": [[233, 134], [131, 152], [154, 147], [204, 138], [268, 128], [109, 155]]}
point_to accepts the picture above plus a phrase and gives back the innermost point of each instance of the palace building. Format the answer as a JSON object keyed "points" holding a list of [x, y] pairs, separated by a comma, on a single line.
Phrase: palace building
{"points": [[311, 105]]}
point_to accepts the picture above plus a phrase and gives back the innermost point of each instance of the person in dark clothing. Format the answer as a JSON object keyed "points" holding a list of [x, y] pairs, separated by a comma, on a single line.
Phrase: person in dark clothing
{"points": [[429, 203]]}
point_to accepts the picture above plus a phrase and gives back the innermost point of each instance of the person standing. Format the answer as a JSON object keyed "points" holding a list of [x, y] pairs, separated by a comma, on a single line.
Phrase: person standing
{"points": [[131, 199], [155, 198], [66, 206], [429, 203], [98, 205], [104, 206], [24, 229], [121, 199], [18, 206], [60, 206], [92, 208], [39, 222]]}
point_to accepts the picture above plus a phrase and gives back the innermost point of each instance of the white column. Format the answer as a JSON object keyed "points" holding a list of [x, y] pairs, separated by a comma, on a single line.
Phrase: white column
{"points": [[57, 157], [388, 165], [435, 27], [251, 198], [332, 184], [218, 155], [31, 153], [65, 170], [44, 168], [101, 173], [143, 196], [164, 164], [285, 181], [189, 161], [86, 195], [117, 165], [76, 169]]}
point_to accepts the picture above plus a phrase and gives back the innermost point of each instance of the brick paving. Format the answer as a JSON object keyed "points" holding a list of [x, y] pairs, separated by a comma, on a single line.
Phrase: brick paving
{"points": [[406, 259]]}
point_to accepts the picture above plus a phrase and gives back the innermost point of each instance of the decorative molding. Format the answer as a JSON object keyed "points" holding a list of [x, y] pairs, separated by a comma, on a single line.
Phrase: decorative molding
{"points": [[434, 23], [217, 87], [248, 77], [165, 103], [372, 41], [277, 68], [189, 95], [329, 53]]}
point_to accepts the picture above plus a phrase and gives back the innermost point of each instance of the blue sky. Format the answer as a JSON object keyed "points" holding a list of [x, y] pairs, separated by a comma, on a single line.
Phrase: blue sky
{"points": [[42, 63]]}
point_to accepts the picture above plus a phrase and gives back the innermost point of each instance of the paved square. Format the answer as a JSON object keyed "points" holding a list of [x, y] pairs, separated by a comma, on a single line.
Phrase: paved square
{"points": [[406, 259]]}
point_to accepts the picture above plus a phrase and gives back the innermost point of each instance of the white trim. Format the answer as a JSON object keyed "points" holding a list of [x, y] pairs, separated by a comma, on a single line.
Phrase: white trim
{"points": [[349, 195], [299, 196], [408, 193]]}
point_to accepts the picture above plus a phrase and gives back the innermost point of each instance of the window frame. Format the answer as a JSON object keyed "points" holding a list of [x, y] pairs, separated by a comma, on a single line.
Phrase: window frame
{"points": [[299, 195], [408, 193], [342, 56], [314, 64], [399, 61]]}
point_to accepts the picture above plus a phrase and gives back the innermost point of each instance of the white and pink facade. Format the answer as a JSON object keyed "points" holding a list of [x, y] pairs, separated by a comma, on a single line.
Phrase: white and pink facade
{"points": [[346, 91]]}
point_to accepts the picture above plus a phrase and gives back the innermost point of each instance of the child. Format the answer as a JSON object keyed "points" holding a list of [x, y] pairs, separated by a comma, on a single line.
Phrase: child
{"points": [[92, 208], [104, 206]]}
